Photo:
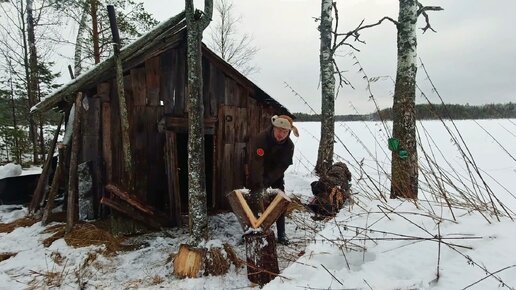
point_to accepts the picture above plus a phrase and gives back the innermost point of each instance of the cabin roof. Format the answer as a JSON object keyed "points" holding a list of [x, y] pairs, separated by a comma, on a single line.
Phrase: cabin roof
{"points": [[168, 31]]}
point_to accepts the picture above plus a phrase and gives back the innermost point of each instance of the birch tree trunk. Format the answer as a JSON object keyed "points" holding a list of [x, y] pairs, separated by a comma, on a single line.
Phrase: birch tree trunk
{"points": [[32, 86], [325, 154], [404, 167], [197, 200], [77, 58]]}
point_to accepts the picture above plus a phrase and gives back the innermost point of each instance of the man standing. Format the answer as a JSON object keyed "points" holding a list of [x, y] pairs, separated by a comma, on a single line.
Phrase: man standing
{"points": [[269, 155]]}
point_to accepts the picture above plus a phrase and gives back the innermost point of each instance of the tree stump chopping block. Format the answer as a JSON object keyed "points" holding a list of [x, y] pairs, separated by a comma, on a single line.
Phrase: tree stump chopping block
{"points": [[262, 258]]}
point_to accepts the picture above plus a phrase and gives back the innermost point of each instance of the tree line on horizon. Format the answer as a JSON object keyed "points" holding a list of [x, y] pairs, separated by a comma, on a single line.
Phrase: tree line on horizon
{"points": [[429, 112]]}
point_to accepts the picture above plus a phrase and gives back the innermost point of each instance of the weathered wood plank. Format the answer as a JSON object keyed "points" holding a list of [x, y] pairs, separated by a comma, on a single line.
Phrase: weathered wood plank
{"points": [[180, 93], [39, 192], [54, 188], [168, 79], [212, 90], [172, 177], [107, 153], [152, 72], [139, 150], [138, 84], [253, 115]]}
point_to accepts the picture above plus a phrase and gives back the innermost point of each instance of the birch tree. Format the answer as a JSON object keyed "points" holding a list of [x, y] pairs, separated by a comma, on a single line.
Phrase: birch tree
{"points": [[404, 163], [331, 41], [196, 22], [224, 38], [327, 70]]}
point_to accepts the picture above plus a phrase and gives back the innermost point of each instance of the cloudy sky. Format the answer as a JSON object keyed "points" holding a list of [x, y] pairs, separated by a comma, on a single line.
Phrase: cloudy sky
{"points": [[471, 59]]}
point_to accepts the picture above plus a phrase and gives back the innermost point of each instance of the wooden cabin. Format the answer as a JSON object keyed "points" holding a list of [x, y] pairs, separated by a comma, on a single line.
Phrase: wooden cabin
{"points": [[155, 82]]}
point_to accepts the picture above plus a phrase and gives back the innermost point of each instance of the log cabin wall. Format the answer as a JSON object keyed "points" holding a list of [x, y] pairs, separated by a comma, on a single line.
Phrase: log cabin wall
{"points": [[155, 90]]}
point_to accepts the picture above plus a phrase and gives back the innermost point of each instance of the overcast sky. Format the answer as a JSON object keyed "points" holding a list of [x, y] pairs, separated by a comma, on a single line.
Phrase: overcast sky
{"points": [[471, 59]]}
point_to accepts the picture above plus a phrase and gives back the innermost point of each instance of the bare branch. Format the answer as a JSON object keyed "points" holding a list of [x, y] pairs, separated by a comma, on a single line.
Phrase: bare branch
{"points": [[355, 32], [422, 10]]}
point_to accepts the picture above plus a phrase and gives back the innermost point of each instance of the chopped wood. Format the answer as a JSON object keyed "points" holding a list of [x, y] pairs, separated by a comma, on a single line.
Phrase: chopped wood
{"points": [[241, 209], [246, 217], [189, 261], [130, 212], [130, 199], [127, 203], [275, 209]]}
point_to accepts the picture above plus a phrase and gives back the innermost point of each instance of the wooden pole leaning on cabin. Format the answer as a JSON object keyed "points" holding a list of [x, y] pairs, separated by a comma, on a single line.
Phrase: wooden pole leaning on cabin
{"points": [[39, 192], [124, 119], [71, 213], [54, 188]]}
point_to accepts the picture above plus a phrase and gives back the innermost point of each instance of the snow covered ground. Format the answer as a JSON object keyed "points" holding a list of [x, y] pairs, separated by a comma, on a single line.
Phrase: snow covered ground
{"points": [[371, 244]]}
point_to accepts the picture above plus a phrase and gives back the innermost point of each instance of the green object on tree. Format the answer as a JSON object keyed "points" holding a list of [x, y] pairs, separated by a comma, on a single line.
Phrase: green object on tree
{"points": [[403, 154], [394, 144]]}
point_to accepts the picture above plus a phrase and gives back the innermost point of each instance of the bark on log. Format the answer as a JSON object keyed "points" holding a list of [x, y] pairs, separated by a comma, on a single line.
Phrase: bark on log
{"points": [[261, 256], [122, 102], [71, 213]]}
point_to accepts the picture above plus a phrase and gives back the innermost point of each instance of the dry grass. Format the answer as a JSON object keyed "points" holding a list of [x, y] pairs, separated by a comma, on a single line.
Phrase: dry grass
{"points": [[46, 280], [156, 280], [57, 258], [215, 262], [232, 256], [295, 204], [59, 232], [6, 255], [87, 234], [19, 223]]}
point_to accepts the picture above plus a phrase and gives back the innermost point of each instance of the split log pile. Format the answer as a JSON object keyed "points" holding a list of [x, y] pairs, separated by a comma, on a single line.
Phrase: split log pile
{"points": [[130, 206]]}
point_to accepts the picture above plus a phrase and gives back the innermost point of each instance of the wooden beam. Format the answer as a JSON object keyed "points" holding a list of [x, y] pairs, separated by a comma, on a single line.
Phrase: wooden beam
{"points": [[71, 213], [54, 188], [128, 162], [39, 192]]}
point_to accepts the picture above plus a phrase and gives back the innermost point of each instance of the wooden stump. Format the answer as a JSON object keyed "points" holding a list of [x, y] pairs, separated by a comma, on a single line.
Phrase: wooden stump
{"points": [[262, 259], [194, 262], [189, 261]]}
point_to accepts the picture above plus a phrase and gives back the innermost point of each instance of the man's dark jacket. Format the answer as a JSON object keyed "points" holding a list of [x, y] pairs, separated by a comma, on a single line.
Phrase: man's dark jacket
{"points": [[268, 160]]}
